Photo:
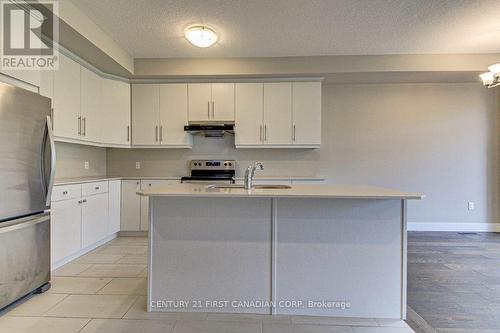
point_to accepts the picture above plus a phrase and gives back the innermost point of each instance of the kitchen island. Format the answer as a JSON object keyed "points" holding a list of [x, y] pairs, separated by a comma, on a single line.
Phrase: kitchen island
{"points": [[326, 250]]}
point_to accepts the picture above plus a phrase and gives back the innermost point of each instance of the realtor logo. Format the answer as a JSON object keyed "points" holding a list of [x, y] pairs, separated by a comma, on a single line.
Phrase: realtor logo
{"points": [[24, 25]]}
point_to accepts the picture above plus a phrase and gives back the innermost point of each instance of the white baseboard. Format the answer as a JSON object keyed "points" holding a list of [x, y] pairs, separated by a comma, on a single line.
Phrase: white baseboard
{"points": [[80, 253], [460, 227]]}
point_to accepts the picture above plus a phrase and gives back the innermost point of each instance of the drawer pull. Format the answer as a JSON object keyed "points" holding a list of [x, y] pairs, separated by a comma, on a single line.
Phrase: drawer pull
{"points": [[97, 187], [65, 192]]}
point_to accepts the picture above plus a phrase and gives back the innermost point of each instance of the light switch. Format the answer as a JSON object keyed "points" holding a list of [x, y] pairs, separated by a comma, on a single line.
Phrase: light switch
{"points": [[137, 165], [86, 165], [470, 205]]}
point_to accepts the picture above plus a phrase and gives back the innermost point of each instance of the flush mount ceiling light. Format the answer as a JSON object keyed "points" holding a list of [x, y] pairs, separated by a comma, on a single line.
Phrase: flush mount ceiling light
{"points": [[201, 35], [492, 78]]}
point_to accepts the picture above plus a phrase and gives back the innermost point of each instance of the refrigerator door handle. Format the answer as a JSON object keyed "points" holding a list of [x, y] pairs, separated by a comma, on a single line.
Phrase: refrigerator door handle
{"points": [[50, 183]]}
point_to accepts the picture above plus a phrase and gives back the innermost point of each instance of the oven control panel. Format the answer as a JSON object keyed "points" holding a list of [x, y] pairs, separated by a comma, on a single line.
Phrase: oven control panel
{"points": [[212, 165]]}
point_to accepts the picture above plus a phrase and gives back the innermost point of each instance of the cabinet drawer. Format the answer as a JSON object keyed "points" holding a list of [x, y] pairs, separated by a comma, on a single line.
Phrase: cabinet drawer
{"points": [[94, 188], [65, 192]]}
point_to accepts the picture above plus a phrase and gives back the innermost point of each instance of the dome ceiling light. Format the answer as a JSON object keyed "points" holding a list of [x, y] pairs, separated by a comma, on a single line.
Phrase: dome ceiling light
{"points": [[201, 35], [492, 78]]}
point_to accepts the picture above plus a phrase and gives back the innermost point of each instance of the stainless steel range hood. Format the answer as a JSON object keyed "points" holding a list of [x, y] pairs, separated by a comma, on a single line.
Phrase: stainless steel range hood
{"points": [[210, 130]]}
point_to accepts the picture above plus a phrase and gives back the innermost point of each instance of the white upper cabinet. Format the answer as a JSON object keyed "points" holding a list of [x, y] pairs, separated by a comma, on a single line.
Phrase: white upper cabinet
{"points": [[211, 102], [145, 114], [249, 118], [47, 84], [66, 103], [91, 105], [223, 102], [200, 100], [159, 113], [306, 115], [174, 115], [115, 114], [278, 113]]}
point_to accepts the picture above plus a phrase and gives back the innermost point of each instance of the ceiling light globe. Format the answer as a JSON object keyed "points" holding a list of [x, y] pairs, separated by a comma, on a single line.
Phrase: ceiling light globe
{"points": [[487, 78], [201, 36], [495, 70]]}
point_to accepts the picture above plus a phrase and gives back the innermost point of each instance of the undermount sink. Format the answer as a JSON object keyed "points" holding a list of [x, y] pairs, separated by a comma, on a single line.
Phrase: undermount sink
{"points": [[260, 187]]}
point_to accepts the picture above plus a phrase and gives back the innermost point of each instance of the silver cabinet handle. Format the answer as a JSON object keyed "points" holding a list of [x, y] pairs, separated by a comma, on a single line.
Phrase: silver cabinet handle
{"points": [[156, 133], [128, 133], [293, 133], [260, 133], [79, 125], [265, 132], [161, 133], [213, 110], [208, 109], [84, 131]]}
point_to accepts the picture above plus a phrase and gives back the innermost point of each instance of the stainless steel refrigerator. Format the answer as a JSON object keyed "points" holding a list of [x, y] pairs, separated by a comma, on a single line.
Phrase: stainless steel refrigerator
{"points": [[27, 166]]}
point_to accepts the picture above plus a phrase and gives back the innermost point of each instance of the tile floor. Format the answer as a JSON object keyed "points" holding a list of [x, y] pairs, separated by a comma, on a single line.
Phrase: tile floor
{"points": [[104, 292]]}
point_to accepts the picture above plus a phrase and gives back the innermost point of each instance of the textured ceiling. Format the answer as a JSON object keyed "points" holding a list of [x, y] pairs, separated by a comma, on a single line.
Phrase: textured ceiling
{"points": [[271, 28]]}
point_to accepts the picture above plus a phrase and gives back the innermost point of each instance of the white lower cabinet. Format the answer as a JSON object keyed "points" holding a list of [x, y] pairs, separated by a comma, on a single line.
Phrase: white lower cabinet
{"points": [[114, 206], [131, 206], [94, 219], [80, 218], [65, 229]]}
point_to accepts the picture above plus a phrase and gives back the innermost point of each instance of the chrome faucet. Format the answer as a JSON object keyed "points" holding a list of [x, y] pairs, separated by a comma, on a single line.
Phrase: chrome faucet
{"points": [[250, 172]]}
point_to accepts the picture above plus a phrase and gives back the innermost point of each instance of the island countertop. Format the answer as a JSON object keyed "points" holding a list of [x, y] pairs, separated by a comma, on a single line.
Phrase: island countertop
{"points": [[296, 191]]}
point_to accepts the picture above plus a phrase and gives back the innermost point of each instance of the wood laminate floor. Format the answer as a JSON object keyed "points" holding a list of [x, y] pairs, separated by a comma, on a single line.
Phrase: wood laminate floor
{"points": [[454, 280]]}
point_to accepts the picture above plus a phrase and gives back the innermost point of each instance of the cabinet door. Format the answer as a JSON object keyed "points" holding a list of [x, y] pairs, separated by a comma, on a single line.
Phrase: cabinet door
{"points": [[223, 102], [306, 115], [147, 184], [47, 84], [94, 219], [65, 228], [249, 114], [145, 114], [91, 89], [115, 114], [199, 100], [114, 203], [173, 114], [67, 99], [131, 206], [278, 113]]}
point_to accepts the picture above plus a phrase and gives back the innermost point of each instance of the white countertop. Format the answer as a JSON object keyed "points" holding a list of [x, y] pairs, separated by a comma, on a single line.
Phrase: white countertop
{"points": [[81, 180], [297, 191]]}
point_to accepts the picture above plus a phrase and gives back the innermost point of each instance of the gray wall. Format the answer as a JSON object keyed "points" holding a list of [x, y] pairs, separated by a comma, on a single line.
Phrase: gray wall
{"points": [[439, 139], [71, 159]]}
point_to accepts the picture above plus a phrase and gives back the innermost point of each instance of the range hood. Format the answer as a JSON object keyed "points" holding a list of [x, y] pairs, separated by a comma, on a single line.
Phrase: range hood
{"points": [[210, 130]]}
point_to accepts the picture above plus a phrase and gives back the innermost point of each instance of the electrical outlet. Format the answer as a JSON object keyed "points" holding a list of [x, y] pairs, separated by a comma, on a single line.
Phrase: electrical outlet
{"points": [[86, 165], [137, 165], [470, 205]]}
